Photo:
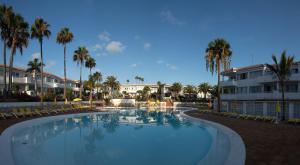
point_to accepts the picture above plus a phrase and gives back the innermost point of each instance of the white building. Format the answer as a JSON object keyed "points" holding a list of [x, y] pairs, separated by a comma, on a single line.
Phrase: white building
{"points": [[25, 83], [132, 89], [255, 90]]}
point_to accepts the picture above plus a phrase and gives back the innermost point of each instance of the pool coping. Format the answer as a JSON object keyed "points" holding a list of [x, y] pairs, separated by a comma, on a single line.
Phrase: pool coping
{"points": [[237, 153], [237, 146]]}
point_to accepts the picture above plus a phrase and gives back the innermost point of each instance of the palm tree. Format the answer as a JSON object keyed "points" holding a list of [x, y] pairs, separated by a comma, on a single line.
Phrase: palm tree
{"points": [[112, 83], [136, 78], [98, 78], [145, 93], [204, 88], [190, 89], [18, 39], [34, 67], [282, 70], [127, 81], [160, 90], [176, 88], [63, 37], [80, 55], [6, 14], [39, 30], [90, 63], [218, 53]]}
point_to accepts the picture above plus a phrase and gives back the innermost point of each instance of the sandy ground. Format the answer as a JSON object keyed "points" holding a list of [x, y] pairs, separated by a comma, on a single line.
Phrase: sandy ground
{"points": [[266, 143]]}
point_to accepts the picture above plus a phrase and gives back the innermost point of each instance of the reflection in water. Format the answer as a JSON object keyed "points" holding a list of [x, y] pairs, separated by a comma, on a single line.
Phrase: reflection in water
{"points": [[114, 138]]}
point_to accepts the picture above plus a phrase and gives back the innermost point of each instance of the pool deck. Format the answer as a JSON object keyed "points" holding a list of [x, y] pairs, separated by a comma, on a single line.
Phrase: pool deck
{"points": [[266, 143]]}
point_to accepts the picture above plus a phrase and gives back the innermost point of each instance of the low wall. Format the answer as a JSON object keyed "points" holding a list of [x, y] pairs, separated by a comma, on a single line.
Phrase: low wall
{"points": [[30, 104], [122, 102], [261, 108]]}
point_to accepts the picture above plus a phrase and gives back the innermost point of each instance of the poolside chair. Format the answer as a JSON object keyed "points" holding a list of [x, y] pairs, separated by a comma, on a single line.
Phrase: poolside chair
{"points": [[15, 112], [4, 115]]}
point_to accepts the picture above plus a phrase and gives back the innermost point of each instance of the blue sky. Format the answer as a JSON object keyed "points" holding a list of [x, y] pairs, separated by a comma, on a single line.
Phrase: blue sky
{"points": [[162, 39]]}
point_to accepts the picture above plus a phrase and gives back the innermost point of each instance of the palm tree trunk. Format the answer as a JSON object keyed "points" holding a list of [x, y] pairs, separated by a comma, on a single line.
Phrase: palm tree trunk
{"points": [[4, 62], [42, 75], [35, 83], [80, 91], [283, 101], [91, 88], [10, 71], [65, 74], [219, 91]]}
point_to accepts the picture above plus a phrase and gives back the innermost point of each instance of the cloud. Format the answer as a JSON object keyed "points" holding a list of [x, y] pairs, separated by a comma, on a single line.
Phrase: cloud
{"points": [[35, 55], [50, 64], [159, 61], [96, 47], [170, 66], [115, 47], [147, 46], [133, 65], [104, 36], [168, 16]]}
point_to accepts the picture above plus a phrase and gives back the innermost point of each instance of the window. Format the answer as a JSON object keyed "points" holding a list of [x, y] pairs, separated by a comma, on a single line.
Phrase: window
{"points": [[255, 74], [269, 87], [255, 89], [241, 90], [242, 76], [292, 87], [295, 70], [228, 90]]}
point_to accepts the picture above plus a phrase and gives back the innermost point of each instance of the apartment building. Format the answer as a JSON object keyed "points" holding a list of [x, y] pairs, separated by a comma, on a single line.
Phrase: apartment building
{"points": [[132, 89], [255, 90], [25, 82]]}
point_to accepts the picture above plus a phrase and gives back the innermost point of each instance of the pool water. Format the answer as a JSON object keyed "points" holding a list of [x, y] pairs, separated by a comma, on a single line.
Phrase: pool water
{"points": [[121, 137]]}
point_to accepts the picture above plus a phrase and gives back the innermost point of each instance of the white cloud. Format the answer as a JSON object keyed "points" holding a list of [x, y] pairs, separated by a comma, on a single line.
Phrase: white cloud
{"points": [[115, 47], [168, 16], [96, 47], [104, 36], [170, 66], [50, 64], [159, 61], [35, 55], [133, 65], [147, 46]]}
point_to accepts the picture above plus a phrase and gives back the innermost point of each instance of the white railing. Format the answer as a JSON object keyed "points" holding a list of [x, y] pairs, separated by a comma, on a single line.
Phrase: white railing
{"points": [[259, 96]]}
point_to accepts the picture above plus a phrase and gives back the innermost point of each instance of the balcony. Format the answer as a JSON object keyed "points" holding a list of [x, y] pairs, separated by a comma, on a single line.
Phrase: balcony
{"points": [[260, 96], [228, 83]]}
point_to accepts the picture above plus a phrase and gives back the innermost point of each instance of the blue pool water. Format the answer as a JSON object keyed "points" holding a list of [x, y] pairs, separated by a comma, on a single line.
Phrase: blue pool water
{"points": [[122, 137]]}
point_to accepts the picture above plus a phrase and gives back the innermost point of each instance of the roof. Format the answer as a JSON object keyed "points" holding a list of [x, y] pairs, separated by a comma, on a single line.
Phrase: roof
{"points": [[45, 73], [247, 68]]}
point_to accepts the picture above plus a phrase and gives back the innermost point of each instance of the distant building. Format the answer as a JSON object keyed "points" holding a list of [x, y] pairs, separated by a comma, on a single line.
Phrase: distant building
{"points": [[255, 90], [132, 89], [25, 82]]}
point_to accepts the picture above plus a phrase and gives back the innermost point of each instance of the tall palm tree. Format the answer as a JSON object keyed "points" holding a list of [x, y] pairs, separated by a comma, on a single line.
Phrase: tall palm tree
{"points": [[176, 88], [282, 70], [98, 78], [204, 88], [90, 63], [64, 37], [218, 54], [18, 39], [112, 83], [6, 14], [34, 68], [39, 30], [136, 78], [160, 90], [80, 55]]}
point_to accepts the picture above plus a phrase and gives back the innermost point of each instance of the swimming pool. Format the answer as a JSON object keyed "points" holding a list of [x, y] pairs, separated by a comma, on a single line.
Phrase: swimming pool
{"points": [[131, 136]]}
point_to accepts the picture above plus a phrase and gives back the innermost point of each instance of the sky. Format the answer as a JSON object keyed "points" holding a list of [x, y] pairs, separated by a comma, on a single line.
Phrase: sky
{"points": [[161, 40]]}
